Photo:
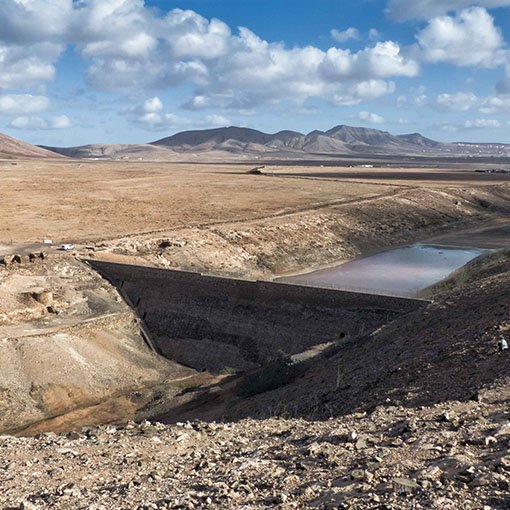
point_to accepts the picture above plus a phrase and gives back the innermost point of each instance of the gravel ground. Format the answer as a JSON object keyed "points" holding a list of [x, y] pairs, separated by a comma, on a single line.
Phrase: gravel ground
{"points": [[450, 456]]}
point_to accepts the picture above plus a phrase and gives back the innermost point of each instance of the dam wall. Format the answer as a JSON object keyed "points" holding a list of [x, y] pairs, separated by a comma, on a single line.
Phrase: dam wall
{"points": [[214, 323]]}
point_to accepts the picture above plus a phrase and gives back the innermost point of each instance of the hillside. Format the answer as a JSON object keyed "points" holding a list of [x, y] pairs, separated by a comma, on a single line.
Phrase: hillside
{"points": [[112, 151], [11, 148]]}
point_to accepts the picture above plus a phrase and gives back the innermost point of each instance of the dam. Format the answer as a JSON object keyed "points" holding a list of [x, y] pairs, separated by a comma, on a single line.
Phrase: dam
{"points": [[220, 324]]}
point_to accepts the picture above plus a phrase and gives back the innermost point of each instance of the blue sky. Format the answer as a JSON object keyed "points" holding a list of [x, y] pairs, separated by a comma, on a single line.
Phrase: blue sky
{"points": [[130, 71]]}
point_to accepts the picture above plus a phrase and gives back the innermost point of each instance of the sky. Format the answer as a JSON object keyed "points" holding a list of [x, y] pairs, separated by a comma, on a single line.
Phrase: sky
{"points": [[74, 72]]}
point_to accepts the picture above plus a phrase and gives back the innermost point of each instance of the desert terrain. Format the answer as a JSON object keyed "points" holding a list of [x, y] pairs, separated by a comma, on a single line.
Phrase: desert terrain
{"points": [[412, 413]]}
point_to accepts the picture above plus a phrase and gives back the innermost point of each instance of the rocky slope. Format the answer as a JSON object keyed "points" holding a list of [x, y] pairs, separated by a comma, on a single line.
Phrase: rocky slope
{"points": [[69, 342], [446, 457]]}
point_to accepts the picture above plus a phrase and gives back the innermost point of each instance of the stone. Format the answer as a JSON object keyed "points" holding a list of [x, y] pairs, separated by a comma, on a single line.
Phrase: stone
{"points": [[490, 440], [503, 431], [361, 443], [45, 297], [404, 485], [6, 260], [22, 259], [358, 474], [352, 436], [27, 505]]}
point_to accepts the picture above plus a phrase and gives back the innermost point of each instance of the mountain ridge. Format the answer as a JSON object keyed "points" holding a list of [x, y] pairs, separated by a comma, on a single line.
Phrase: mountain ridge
{"points": [[339, 139], [242, 142]]}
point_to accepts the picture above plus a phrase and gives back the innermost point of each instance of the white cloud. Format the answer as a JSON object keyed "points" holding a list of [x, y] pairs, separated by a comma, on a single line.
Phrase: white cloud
{"points": [[383, 60], [345, 35], [471, 125], [482, 123], [468, 39], [60, 122], [449, 128], [426, 9], [415, 99], [374, 34], [373, 118], [152, 116], [459, 102], [32, 21], [131, 47], [403, 122], [495, 104], [165, 121], [16, 104], [31, 122], [21, 66], [217, 120], [32, 37], [153, 105]]}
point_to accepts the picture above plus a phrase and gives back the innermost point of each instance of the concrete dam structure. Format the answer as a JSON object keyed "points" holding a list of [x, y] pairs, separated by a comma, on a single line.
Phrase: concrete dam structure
{"points": [[217, 324]]}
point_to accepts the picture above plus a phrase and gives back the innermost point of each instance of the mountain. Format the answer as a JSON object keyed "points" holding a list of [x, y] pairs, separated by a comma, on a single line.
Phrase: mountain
{"points": [[237, 143], [11, 148], [213, 137], [338, 140]]}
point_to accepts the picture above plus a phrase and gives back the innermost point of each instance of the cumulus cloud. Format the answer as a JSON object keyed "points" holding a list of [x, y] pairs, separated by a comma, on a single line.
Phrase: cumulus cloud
{"points": [[465, 101], [32, 21], [416, 99], [345, 35], [16, 104], [482, 123], [425, 9], [495, 104], [471, 125], [33, 35], [33, 122], [129, 46], [22, 65], [468, 39], [151, 115], [153, 105], [459, 102], [373, 118]]}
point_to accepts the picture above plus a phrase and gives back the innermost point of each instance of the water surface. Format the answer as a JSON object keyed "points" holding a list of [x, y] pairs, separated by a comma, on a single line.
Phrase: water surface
{"points": [[401, 271]]}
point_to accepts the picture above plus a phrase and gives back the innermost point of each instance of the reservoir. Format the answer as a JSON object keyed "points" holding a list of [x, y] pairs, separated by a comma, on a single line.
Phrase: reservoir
{"points": [[402, 271]]}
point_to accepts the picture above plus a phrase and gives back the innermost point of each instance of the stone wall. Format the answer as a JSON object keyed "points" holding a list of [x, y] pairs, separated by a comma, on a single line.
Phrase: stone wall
{"points": [[217, 323]]}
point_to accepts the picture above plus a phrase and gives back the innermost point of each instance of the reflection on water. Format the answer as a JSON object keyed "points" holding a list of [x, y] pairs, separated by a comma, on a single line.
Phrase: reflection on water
{"points": [[402, 271]]}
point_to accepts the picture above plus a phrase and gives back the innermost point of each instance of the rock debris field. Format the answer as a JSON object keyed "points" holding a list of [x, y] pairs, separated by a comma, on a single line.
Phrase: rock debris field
{"points": [[450, 456]]}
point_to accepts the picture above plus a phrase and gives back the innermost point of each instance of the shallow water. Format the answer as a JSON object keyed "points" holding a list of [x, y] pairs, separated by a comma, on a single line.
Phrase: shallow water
{"points": [[401, 271]]}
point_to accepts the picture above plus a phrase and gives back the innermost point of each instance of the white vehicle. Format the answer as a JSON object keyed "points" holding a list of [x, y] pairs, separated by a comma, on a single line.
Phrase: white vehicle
{"points": [[67, 247]]}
